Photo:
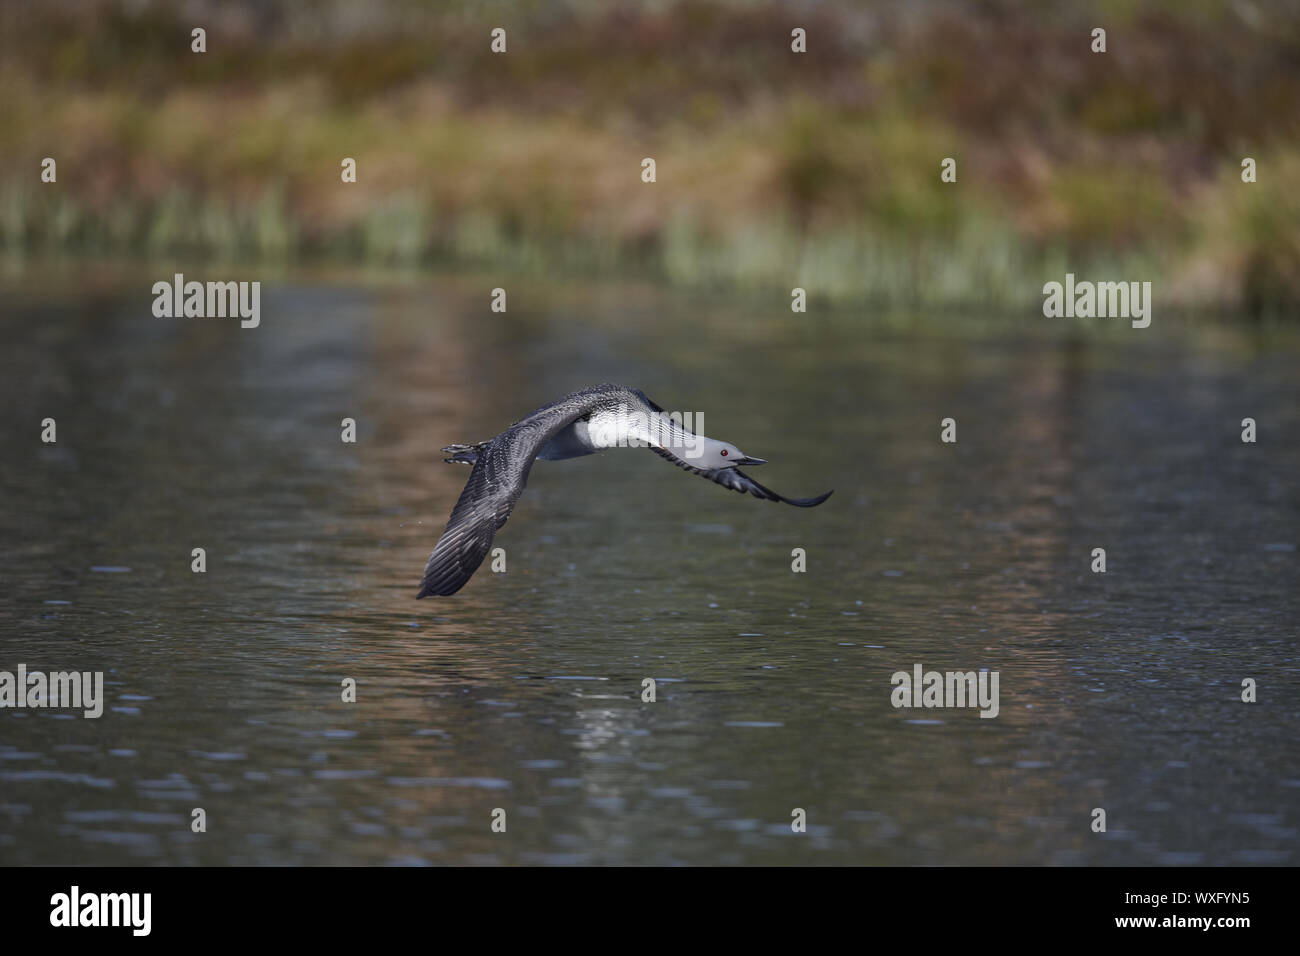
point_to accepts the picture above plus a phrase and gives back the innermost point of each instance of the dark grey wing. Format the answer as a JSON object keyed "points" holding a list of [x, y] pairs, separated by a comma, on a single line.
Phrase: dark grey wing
{"points": [[646, 398], [737, 480], [483, 507], [495, 484]]}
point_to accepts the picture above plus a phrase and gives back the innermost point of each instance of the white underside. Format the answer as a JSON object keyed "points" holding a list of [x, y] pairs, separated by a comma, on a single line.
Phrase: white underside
{"points": [[629, 428]]}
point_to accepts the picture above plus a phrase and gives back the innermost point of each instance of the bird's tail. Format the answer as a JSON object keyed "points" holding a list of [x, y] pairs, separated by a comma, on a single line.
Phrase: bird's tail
{"points": [[464, 454]]}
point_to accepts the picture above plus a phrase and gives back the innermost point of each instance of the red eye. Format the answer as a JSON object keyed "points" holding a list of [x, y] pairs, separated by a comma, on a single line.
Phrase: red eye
{"points": [[724, 453]]}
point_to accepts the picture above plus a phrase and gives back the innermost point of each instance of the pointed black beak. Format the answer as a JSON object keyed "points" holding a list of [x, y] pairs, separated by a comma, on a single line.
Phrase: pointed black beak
{"points": [[751, 461]]}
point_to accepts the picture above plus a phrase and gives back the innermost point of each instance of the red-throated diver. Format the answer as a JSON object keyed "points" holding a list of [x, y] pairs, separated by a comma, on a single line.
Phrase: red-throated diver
{"points": [[591, 419]]}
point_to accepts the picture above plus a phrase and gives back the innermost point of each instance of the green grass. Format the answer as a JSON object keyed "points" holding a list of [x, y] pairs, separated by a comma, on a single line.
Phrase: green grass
{"points": [[774, 170]]}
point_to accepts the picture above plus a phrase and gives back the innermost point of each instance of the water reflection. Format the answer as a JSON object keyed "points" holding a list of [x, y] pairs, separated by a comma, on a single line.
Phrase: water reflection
{"points": [[524, 691]]}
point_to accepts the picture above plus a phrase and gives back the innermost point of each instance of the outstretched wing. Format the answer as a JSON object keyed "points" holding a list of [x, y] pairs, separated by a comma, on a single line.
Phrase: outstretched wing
{"points": [[495, 484], [737, 480], [483, 507]]}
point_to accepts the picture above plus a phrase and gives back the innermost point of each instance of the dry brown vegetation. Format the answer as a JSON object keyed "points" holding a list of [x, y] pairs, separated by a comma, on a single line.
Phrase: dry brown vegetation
{"points": [[774, 169]]}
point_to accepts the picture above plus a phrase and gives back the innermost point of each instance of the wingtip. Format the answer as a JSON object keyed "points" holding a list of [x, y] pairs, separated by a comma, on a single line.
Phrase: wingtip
{"points": [[440, 587], [428, 589], [810, 502]]}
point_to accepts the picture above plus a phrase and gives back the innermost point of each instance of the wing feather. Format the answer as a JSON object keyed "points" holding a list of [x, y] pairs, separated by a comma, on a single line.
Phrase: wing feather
{"points": [[737, 480], [495, 484]]}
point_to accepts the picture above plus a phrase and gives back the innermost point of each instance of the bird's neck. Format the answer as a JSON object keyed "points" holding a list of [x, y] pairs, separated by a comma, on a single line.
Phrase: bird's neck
{"points": [[622, 427]]}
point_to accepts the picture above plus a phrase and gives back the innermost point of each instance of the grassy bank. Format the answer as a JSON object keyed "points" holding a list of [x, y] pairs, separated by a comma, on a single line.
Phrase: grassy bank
{"points": [[774, 169]]}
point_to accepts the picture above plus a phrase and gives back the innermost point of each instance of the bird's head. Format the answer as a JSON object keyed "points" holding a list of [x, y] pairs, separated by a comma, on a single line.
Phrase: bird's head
{"points": [[720, 454]]}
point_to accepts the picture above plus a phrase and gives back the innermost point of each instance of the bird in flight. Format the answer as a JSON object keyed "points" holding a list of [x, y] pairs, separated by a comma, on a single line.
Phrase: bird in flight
{"points": [[584, 422]]}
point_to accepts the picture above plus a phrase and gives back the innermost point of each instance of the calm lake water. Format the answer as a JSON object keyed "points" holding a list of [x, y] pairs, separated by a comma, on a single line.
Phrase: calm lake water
{"points": [[523, 692]]}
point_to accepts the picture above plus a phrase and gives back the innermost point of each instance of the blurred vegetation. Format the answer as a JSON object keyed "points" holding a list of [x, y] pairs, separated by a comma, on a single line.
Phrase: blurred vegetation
{"points": [[775, 169]]}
